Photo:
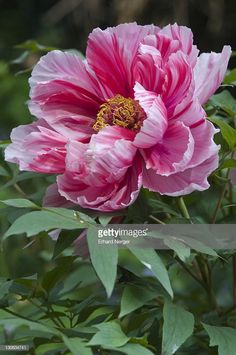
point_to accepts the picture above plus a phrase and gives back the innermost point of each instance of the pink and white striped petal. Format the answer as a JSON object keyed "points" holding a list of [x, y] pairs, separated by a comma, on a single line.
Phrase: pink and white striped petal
{"points": [[155, 125], [114, 51], [181, 183], [209, 73], [173, 153], [109, 197], [179, 81], [184, 36], [37, 147]]}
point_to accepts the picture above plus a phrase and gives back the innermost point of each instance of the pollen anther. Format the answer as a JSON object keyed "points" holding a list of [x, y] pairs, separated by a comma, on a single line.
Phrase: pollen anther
{"points": [[120, 111]]}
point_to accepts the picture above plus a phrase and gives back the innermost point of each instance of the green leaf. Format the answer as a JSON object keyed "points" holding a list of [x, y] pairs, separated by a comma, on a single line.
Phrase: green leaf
{"points": [[71, 214], [37, 221], [228, 132], [160, 206], [134, 297], [4, 287], [20, 177], [153, 262], [76, 346], [178, 326], [104, 312], [23, 286], [63, 242], [128, 261], [21, 58], [34, 326], [5, 143], [105, 219], [48, 348], [230, 78], [132, 349], [34, 47], [179, 248], [20, 203], [225, 101], [223, 337], [230, 205], [109, 334], [229, 163], [104, 259], [63, 268], [199, 246], [3, 171]]}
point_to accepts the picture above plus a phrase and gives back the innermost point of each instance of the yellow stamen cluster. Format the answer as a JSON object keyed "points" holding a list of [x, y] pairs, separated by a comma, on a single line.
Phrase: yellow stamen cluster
{"points": [[120, 111]]}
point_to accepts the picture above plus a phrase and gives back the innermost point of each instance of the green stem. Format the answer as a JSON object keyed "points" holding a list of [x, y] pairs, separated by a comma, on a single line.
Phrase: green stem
{"points": [[156, 219], [19, 189], [205, 278], [55, 320], [229, 310], [16, 314], [222, 195], [205, 270], [218, 206], [183, 208], [190, 272], [234, 278]]}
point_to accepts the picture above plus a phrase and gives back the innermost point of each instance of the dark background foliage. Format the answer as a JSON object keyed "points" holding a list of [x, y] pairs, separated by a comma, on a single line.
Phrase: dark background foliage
{"points": [[67, 24], [42, 280]]}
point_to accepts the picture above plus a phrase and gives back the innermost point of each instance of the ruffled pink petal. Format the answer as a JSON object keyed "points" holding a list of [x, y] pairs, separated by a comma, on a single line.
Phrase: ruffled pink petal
{"points": [[105, 198], [97, 174], [104, 160], [37, 147], [107, 137], [209, 73], [182, 183], [156, 50], [163, 44], [62, 106], [178, 81], [111, 54], [154, 126], [184, 36], [204, 145], [189, 111], [66, 94], [203, 131], [85, 195], [128, 189], [173, 153], [148, 68], [64, 67]]}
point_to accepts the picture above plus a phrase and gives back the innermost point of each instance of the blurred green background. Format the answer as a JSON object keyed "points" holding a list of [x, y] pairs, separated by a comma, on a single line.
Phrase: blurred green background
{"points": [[67, 23]]}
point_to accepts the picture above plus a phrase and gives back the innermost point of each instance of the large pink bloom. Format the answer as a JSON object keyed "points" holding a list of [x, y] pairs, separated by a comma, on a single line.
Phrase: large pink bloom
{"points": [[128, 116]]}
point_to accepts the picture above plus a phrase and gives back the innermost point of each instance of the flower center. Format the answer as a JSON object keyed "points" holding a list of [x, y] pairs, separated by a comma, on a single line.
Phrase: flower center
{"points": [[120, 111]]}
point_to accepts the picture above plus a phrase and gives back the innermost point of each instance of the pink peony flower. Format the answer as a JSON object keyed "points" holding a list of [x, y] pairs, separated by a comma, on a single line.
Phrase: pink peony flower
{"points": [[128, 116]]}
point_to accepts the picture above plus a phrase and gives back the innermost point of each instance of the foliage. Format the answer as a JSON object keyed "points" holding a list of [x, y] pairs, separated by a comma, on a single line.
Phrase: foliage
{"points": [[131, 301]]}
